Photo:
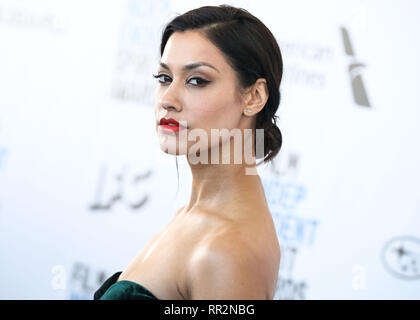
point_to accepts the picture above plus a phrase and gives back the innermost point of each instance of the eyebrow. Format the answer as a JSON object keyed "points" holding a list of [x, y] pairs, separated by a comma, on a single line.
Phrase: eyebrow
{"points": [[190, 66]]}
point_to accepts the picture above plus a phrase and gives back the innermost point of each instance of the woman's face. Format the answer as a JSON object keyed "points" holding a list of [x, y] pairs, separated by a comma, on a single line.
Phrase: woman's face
{"points": [[202, 98]]}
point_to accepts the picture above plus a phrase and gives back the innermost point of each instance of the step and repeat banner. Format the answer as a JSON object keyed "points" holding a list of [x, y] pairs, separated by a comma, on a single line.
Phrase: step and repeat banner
{"points": [[84, 184]]}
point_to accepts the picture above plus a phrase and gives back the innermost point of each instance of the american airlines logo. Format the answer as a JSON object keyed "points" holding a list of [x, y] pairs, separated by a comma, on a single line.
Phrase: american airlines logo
{"points": [[355, 72]]}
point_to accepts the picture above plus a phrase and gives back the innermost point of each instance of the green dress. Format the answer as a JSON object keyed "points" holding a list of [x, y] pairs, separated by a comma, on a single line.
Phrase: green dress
{"points": [[112, 289]]}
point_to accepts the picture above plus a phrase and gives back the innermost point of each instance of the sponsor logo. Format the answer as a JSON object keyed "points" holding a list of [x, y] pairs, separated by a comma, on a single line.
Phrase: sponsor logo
{"points": [[355, 69], [401, 257]]}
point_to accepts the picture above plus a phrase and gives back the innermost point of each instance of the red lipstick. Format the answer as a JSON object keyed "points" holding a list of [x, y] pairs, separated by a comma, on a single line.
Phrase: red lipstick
{"points": [[170, 125]]}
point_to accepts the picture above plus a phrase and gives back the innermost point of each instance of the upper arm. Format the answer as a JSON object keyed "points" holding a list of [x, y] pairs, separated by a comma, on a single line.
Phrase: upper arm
{"points": [[226, 270]]}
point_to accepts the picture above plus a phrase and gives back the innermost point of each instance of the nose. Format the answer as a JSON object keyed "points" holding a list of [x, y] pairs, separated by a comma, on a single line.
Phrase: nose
{"points": [[170, 106], [169, 100]]}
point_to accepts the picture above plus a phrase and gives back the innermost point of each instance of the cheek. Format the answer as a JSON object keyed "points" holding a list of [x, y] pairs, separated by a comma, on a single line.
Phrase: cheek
{"points": [[218, 97], [223, 118], [214, 110], [214, 114]]}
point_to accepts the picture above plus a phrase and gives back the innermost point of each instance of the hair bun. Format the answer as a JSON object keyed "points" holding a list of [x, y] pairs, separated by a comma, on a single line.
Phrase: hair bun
{"points": [[272, 140]]}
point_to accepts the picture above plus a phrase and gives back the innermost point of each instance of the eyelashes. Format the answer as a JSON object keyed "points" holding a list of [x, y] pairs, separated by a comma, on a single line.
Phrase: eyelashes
{"points": [[201, 82]]}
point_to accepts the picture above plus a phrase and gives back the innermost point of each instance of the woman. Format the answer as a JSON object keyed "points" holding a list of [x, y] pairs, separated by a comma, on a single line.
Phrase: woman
{"points": [[220, 68]]}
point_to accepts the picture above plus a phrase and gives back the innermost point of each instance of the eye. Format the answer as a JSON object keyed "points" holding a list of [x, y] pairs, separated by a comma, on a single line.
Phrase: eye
{"points": [[201, 82], [160, 76]]}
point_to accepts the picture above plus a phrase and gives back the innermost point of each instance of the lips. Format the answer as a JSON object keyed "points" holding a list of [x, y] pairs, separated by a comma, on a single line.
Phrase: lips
{"points": [[172, 122], [169, 121], [170, 125]]}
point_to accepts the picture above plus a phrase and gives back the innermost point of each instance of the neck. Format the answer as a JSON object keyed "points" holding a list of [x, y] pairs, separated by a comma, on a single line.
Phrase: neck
{"points": [[219, 187]]}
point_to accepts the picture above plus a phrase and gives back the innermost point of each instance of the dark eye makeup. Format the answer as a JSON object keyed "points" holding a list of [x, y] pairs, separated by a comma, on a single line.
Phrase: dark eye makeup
{"points": [[200, 81]]}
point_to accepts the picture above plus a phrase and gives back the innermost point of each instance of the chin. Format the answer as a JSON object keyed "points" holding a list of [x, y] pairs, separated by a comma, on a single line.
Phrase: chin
{"points": [[171, 149], [173, 153]]}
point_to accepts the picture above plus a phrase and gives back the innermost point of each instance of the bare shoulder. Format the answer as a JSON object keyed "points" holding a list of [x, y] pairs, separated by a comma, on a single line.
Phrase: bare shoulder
{"points": [[231, 266]]}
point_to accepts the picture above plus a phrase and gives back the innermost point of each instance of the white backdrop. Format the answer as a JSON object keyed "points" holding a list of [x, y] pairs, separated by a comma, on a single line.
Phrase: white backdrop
{"points": [[84, 184]]}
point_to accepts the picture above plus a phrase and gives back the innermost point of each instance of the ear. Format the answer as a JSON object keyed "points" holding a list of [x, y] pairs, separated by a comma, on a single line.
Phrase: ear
{"points": [[257, 97]]}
